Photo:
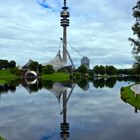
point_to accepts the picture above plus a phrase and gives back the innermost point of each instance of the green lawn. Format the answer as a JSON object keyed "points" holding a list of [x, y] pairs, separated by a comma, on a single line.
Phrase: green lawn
{"points": [[57, 77], [127, 95], [1, 138], [6, 73], [6, 76]]}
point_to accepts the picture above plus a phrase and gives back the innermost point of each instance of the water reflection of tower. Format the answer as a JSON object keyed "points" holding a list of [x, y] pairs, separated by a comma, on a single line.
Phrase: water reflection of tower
{"points": [[64, 127]]}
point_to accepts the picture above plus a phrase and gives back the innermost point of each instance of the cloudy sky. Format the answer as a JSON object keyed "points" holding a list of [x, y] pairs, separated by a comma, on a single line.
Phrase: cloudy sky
{"points": [[99, 29]]}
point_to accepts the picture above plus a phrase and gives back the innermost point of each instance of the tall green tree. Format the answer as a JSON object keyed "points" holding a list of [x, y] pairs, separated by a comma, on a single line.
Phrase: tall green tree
{"points": [[96, 69], [82, 69], [12, 64], [33, 66], [3, 64], [136, 42], [111, 70]]}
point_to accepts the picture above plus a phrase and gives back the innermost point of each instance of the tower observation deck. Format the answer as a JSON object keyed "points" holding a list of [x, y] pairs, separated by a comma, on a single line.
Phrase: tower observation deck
{"points": [[64, 23]]}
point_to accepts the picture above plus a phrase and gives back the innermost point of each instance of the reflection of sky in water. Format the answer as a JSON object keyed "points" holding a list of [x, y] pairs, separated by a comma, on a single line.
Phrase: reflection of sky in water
{"points": [[95, 114]]}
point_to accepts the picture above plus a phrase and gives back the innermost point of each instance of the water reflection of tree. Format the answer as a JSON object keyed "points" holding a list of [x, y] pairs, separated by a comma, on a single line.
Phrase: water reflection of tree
{"points": [[110, 82], [102, 82], [48, 84], [84, 84], [4, 88], [129, 78]]}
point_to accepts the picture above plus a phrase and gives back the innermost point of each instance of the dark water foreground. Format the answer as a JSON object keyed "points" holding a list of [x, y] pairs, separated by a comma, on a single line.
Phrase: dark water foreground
{"points": [[66, 111]]}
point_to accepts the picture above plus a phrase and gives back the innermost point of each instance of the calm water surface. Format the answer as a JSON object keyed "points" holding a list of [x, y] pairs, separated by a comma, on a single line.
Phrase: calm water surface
{"points": [[90, 114]]}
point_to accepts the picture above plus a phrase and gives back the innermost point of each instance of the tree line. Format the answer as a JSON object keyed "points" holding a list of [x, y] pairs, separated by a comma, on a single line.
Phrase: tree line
{"points": [[4, 64], [111, 70], [78, 73]]}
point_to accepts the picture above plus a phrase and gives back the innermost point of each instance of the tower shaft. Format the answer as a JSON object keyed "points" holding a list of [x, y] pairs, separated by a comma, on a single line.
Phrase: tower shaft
{"points": [[65, 44], [65, 23]]}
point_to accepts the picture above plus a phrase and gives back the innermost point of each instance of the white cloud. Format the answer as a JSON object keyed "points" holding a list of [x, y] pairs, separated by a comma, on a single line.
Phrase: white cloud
{"points": [[98, 29]]}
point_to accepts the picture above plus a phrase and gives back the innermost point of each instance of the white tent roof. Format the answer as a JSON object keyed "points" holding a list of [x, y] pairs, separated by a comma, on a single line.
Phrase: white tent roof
{"points": [[57, 62]]}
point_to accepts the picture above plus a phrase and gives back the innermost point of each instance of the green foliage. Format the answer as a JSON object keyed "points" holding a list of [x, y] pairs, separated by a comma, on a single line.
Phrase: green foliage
{"points": [[76, 76], [82, 69], [96, 69], [1, 138], [99, 70], [12, 64], [122, 89], [110, 70], [126, 71], [102, 70], [48, 69], [40, 68], [136, 41], [15, 71], [33, 66], [136, 68], [3, 64]]}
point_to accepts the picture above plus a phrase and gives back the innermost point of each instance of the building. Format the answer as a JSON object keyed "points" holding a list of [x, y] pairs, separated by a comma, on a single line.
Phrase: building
{"points": [[86, 62]]}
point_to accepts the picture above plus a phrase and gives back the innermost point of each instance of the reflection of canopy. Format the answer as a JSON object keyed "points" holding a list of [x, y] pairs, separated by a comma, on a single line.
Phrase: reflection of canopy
{"points": [[58, 89], [57, 62]]}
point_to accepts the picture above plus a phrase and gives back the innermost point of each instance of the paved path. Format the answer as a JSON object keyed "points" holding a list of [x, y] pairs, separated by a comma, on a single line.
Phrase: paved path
{"points": [[136, 88]]}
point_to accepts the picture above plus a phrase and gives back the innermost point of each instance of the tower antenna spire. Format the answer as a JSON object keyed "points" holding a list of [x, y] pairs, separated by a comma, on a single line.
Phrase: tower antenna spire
{"points": [[65, 3]]}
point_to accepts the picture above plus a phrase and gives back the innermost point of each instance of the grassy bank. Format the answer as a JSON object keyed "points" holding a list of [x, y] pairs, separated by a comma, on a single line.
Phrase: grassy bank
{"points": [[57, 77], [6, 76], [127, 95], [1, 138]]}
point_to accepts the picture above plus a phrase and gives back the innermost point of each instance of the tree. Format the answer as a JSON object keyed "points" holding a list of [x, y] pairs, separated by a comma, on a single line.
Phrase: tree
{"points": [[15, 71], [111, 70], [136, 31], [39, 67], [3, 64], [102, 70], [136, 67], [12, 64], [96, 69], [48, 69], [33, 66], [82, 69]]}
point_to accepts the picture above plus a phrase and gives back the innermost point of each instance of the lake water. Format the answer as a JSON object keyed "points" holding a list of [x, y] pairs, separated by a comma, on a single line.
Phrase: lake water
{"points": [[65, 111]]}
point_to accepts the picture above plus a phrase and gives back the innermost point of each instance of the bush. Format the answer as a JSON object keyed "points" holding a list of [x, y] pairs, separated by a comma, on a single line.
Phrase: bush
{"points": [[15, 71], [122, 88], [48, 69]]}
